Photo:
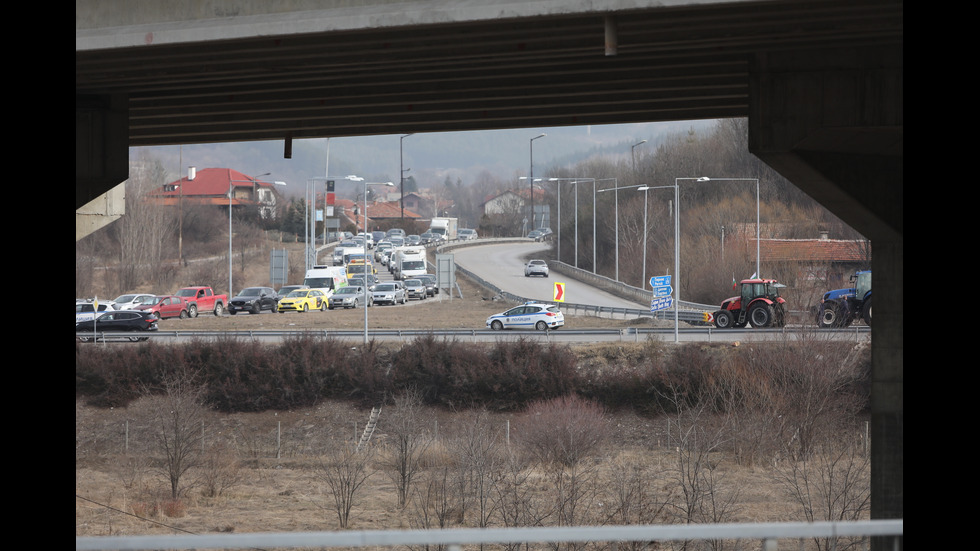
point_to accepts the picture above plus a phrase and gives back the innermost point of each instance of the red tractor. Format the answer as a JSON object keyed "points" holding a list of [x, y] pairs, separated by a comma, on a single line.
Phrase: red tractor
{"points": [[758, 303]]}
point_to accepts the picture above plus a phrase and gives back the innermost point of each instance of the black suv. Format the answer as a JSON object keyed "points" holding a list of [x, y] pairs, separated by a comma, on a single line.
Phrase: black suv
{"points": [[254, 300]]}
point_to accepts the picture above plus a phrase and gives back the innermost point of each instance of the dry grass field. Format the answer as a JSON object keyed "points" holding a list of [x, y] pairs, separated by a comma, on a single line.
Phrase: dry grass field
{"points": [[120, 493]]}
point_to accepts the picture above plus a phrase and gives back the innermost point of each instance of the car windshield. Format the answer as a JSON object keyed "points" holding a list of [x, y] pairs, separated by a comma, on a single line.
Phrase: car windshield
{"points": [[347, 290], [125, 298], [413, 283], [296, 294], [154, 300], [250, 292], [385, 287]]}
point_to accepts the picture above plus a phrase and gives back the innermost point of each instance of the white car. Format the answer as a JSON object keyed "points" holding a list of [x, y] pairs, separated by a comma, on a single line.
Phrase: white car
{"points": [[467, 233], [85, 311], [536, 267], [530, 315], [130, 301]]}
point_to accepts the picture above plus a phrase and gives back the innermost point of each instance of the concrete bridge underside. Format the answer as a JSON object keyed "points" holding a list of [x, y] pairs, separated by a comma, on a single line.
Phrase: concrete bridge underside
{"points": [[820, 81]]}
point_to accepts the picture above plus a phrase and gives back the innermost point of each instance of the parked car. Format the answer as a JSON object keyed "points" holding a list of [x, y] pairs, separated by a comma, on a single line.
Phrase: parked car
{"points": [[467, 233], [430, 284], [166, 306], [350, 296], [130, 301], [117, 320], [388, 293], [86, 310], [530, 315], [414, 288], [536, 267], [303, 300], [254, 300]]}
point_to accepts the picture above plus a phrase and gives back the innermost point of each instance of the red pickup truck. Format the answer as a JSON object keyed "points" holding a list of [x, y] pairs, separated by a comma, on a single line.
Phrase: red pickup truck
{"points": [[202, 299]]}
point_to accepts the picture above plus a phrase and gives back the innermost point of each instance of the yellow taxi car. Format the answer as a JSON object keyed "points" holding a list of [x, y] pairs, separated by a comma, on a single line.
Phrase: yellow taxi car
{"points": [[303, 300]]}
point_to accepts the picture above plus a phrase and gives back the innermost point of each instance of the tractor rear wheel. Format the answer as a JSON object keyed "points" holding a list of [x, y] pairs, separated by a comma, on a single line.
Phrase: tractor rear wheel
{"points": [[831, 315], [761, 315], [866, 312]]}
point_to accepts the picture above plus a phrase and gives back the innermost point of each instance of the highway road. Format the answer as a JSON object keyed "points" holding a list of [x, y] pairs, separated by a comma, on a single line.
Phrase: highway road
{"points": [[502, 264]]}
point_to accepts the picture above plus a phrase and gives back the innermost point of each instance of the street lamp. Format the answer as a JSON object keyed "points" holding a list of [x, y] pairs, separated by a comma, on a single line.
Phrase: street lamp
{"points": [[231, 195], [401, 174], [616, 215], [310, 237], [677, 250], [633, 154], [530, 175], [532, 191], [366, 184], [576, 181]]}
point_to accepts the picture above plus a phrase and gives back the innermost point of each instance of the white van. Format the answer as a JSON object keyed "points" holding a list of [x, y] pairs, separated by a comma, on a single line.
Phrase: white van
{"points": [[326, 278]]}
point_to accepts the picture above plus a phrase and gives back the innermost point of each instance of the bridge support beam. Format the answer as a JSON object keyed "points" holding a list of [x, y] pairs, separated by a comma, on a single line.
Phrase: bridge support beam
{"points": [[101, 145], [832, 123]]}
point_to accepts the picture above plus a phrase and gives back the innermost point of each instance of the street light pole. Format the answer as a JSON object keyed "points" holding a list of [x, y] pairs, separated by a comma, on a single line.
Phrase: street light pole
{"points": [[616, 216], [401, 174], [365, 216], [231, 195], [633, 156], [677, 251], [530, 176]]}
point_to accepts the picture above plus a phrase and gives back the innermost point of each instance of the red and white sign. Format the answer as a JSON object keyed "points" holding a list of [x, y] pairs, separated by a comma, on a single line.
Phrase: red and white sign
{"points": [[559, 292]]}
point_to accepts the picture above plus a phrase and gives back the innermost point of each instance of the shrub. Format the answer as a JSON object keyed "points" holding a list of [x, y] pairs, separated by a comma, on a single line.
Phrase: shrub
{"points": [[562, 430]]}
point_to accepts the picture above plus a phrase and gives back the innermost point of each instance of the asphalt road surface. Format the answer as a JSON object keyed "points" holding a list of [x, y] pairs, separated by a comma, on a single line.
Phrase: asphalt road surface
{"points": [[503, 266]]}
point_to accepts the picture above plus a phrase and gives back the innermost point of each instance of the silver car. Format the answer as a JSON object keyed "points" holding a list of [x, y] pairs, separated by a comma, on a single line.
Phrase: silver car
{"points": [[388, 293], [536, 267], [349, 296]]}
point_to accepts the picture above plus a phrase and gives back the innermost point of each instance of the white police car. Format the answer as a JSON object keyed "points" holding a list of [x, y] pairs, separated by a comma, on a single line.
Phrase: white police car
{"points": [[530, 315]]}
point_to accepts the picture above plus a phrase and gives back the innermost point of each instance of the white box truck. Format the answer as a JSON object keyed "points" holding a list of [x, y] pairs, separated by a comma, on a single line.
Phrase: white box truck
{"points": [[446, 227], [409, 262]]}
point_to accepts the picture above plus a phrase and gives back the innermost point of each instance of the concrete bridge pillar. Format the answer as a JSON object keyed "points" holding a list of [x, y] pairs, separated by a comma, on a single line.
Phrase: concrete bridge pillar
{"points": [[831, 122]]}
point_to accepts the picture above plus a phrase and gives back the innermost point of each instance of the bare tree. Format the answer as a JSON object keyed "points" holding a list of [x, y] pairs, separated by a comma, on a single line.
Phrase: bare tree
{"points": [[474, 448], [146, 228], [406, 428], [562, 430], [220, 470], [181, 423], [703, 493], [516, 503], [345, 472], [831, 484]]}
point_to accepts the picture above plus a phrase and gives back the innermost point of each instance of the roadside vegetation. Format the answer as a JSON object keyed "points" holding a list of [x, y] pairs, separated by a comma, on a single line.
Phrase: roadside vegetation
{"points": [[520, 434]]}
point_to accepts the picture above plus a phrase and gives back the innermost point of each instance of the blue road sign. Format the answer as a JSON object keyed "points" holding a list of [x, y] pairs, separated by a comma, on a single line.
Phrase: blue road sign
{"points": [[661, 303], [660, 281]]}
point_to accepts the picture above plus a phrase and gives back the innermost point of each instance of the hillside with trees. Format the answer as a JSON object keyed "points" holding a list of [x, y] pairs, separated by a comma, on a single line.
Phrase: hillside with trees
{"points": [[158, 247]]}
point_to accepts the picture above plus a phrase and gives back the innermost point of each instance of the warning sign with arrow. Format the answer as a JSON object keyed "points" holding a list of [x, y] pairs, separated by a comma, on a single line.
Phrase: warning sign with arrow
{"points": [[559, 292]]}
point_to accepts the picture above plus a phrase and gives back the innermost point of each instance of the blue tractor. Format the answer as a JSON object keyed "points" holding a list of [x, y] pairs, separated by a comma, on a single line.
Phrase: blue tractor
{"points": [[841, 307]]}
